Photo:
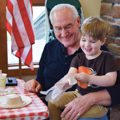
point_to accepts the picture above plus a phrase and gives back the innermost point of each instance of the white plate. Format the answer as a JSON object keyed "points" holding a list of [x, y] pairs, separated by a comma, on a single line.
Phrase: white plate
{"points": [[26, 101]]}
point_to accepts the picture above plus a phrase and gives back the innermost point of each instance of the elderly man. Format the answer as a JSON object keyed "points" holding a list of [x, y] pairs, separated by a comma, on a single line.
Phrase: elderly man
{"points": [[56, 59]]}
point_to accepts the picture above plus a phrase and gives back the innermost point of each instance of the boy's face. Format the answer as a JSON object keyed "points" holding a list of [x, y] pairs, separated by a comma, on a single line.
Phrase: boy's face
{"points": [[90, 46]]}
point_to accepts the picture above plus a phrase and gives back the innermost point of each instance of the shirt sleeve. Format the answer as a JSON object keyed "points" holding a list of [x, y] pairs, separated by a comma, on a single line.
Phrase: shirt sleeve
{"points": [[40, 74], [115, 96], [113, 91], [77, 60], [110, 63]]}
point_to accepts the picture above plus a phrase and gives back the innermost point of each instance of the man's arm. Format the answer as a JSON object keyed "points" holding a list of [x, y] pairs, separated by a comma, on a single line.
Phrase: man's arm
{"points": [[101, 97], [113, 91], [83, 103]]}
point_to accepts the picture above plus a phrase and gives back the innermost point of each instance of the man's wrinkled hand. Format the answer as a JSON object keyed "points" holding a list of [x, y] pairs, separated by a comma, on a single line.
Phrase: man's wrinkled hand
{"points": [[77, 107], [32, 86]]}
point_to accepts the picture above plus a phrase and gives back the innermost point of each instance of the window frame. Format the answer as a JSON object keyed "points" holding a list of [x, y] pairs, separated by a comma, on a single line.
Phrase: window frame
{"points": [[3, 43]]}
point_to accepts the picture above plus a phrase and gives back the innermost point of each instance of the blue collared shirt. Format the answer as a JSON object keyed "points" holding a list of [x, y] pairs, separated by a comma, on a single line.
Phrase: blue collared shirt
{"points": [[54, 64]]}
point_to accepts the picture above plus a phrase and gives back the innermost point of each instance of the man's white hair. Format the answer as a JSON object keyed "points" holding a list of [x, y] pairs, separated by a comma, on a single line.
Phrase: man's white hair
{"points": [[63, 6]]}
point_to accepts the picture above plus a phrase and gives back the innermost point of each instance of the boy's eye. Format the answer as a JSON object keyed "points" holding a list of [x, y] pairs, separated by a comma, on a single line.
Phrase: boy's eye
{"points": [[93, 41], [83, 40]]}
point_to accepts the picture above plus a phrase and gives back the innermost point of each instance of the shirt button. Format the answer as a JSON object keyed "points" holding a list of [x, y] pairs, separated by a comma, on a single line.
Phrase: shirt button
{"points": [[65, 63], [66, 56]]}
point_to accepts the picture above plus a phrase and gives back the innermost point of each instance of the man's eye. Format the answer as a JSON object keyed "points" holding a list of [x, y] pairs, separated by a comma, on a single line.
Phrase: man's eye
{"points": [[69, 26], [57, 29]]}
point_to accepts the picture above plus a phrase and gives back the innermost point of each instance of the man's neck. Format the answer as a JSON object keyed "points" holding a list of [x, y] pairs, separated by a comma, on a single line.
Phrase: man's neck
{"points": [[71, 50]]}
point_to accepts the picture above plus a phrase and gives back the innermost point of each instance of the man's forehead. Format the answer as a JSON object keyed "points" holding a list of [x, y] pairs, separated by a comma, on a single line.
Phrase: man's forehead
{"points": [[64, 13], [62, 20], [62, 24]]}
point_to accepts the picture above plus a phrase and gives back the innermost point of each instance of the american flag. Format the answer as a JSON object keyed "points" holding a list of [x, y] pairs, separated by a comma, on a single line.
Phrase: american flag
{"points": [[19, 24]]}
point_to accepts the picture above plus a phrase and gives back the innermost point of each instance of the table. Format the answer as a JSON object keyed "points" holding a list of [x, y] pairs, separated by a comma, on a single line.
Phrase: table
{"points": [[37, 110]]}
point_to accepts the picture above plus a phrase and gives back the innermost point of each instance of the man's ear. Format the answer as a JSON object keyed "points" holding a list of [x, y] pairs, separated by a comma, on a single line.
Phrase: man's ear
{"points": [[78, 21]]}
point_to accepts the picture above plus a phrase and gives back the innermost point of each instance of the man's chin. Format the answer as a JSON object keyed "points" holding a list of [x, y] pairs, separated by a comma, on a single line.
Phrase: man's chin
{"points": [[67, 44]]}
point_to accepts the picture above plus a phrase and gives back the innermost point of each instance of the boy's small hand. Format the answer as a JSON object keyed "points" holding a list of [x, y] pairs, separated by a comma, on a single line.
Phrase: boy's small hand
{"points": [[82, 77]]}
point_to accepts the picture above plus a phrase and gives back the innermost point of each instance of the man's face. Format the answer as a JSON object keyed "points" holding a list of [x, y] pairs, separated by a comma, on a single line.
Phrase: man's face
{"points": [[66, 28]]}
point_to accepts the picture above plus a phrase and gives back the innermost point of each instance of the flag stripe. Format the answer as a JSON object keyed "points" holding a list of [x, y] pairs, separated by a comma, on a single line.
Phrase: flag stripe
{"points": [[14, 44], [9, 10], [20, 26], [9, 6], [28, 5], [8, 25], [17, 35], [29, 56], [26, 20]]}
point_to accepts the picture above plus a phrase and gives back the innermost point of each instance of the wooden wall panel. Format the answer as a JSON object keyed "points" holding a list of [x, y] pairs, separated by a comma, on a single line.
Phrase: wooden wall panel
{"points": [[3, 38], [38, 2]]}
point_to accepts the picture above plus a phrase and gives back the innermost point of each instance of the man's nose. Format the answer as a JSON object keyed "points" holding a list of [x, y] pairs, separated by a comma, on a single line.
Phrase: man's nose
{"points": [[64, 33]]}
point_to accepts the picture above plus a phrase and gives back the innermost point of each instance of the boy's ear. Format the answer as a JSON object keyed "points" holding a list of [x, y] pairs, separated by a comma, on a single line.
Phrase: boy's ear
{"points": [[103, 41]]}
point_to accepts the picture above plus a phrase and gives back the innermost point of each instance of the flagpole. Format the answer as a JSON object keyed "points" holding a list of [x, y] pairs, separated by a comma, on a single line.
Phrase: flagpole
{"points": [[20, 68]]}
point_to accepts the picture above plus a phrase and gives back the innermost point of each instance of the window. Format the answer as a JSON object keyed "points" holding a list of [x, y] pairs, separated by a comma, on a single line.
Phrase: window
{"points": [[4, 55], [39, 23]]}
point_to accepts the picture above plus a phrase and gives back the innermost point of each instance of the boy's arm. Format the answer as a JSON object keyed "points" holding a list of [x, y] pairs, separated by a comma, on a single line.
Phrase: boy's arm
{"points": [[108, 79]]}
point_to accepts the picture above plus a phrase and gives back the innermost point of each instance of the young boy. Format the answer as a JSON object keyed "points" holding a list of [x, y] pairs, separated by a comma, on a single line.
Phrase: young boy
{"points": [[94, 34]]}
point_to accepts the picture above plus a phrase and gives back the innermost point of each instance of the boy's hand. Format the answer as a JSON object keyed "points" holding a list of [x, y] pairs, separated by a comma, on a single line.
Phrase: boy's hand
{"points": [[82, 77]]}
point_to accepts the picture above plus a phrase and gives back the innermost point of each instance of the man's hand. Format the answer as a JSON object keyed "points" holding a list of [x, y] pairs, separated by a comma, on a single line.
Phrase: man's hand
{"points": [[77, 107], [82, 104], [32, 86]]}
